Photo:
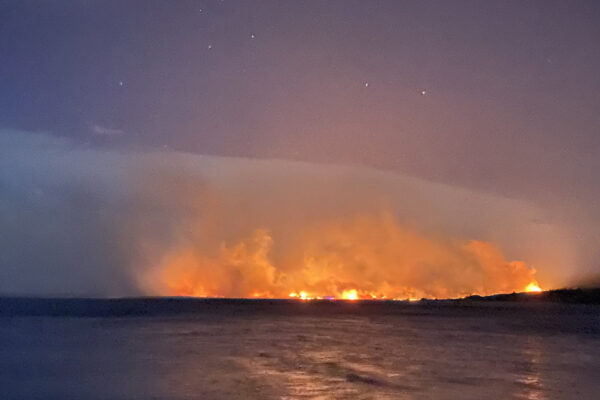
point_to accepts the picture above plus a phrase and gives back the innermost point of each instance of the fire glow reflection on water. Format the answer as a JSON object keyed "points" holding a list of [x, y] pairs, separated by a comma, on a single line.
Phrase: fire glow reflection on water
{"points": [[265, 349]]}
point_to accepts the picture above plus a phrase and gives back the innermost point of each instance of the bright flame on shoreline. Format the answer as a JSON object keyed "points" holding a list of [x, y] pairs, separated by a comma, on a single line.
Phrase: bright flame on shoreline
{"points": [[533, 288], [350, 294]]}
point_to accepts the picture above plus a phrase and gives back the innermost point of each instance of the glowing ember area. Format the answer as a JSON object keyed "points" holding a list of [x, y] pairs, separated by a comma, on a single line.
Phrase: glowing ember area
{"points": [[302, 295], [351, 294], [362, 258], [533, 287]]}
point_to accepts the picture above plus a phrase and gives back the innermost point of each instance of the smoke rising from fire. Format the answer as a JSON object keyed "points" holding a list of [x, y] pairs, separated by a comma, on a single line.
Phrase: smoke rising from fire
{"points": [[370, 255], [78, 221]]}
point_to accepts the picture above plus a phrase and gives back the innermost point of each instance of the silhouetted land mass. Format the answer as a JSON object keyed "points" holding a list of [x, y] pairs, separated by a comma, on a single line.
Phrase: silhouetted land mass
{"points": [[573, 296], [168, 306]]}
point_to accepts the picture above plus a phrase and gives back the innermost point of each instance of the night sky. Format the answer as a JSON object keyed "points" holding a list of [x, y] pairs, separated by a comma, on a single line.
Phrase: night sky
{"points": [[510, 88], [499, 97]]}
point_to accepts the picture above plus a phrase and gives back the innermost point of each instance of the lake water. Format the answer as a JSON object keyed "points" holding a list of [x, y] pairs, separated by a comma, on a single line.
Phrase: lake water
{"points": [[407, 351]]}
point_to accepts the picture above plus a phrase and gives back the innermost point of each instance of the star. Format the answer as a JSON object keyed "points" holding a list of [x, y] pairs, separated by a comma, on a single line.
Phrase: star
{"points": [[121, 83], [252, 36], [366, 84], [210, 46], [423, 92]]}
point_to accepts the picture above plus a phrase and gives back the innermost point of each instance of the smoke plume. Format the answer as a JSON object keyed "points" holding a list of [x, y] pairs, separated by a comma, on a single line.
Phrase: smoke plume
{"points": [[90, 222]]}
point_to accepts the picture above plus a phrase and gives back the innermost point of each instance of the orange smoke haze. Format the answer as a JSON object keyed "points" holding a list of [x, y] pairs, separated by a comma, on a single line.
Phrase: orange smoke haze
{"points": [[365, 257]]}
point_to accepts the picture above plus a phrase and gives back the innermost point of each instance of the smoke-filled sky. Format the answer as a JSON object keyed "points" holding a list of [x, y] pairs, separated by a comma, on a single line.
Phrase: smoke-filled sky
{"points": [[238, 148]]}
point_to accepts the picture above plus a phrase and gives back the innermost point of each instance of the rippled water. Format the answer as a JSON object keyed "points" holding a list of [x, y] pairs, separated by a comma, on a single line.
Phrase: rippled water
{"points": [[515, 352]]}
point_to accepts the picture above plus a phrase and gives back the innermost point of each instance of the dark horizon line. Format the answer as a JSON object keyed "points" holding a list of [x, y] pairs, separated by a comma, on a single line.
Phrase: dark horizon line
{"points": [[497, 296]]}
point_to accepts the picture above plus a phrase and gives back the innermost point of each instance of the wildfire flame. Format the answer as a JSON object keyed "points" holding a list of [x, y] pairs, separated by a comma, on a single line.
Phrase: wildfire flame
{"points": [[350, 294], [533, 288]]}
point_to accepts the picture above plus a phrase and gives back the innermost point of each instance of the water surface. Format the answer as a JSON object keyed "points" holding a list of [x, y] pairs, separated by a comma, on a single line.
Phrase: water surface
{"points": [[245, 351]]}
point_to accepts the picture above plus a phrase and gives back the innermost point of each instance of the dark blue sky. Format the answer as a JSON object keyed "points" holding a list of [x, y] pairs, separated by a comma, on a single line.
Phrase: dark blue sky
{"points": [[511, 88]]}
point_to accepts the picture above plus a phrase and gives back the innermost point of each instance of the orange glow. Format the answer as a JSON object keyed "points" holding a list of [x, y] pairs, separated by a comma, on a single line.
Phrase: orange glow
{"points": [[533, 288]]}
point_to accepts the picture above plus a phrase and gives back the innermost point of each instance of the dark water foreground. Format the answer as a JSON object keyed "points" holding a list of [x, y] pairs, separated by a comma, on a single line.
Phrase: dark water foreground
{"points": [[244, 349]]}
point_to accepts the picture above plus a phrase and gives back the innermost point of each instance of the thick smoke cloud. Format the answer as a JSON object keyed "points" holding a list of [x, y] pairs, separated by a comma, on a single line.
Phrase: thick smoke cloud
{"points": [[82, 221]]}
